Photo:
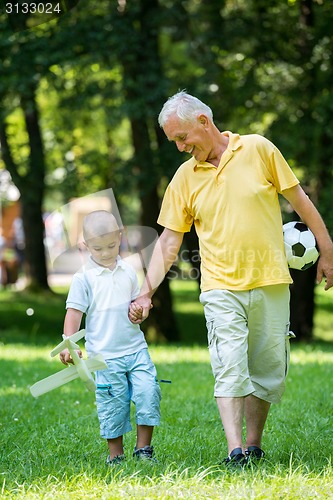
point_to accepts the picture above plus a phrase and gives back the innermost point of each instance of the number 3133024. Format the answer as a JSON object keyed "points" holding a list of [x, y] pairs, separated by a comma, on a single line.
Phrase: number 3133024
{"points": [[32, 8]]}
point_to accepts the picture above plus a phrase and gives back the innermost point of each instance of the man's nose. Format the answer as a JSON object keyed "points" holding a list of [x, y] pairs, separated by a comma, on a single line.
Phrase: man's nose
{"points": [[180, 145]]}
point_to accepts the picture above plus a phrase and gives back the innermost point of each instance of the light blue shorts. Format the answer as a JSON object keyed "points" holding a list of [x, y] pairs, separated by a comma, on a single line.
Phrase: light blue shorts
{"points": [[248, 339], [128, 378]]}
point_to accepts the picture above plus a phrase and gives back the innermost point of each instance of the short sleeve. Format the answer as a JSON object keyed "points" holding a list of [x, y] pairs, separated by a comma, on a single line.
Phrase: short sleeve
{"points": [[78, 294], [174, 213], [282, 177], [275, 166]]}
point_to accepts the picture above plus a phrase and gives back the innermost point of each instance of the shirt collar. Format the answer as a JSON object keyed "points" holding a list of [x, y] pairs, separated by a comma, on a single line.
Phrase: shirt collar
{"points": [[235, 142], [91, 265]]}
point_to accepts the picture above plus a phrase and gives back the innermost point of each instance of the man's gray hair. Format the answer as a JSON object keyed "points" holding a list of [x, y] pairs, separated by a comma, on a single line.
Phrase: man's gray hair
{"points": [[185, 106]]}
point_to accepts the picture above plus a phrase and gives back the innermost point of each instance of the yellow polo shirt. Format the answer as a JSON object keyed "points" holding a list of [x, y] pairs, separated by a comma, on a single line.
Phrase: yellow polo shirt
{"points": [[236, 213]]}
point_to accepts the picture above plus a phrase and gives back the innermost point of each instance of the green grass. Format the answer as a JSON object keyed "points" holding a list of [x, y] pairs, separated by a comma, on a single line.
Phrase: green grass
{"points": [[45, 324], [51, 448], [323, 317]]}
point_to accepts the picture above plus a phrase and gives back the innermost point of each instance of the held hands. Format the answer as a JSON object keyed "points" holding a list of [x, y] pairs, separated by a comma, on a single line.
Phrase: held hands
{"points": [[139, 309], [66, 358]]}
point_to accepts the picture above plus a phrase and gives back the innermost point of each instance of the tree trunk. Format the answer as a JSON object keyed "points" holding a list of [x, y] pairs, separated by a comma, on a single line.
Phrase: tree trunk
{"points": [[161, 321], [142, 80], [302, 303], [302, 290], [31, 187]]}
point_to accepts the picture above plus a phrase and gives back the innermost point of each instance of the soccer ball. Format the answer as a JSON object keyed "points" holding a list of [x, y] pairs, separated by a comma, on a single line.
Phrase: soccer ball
{"points": [[300, 245]]}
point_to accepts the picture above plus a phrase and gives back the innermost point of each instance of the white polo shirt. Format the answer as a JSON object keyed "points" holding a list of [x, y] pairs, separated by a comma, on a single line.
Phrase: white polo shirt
{"points": [[104, 296]]}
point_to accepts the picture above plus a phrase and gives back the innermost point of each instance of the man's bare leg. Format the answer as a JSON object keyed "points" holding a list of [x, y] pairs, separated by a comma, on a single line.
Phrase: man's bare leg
{"points": [[256, 412], [232, 415]]}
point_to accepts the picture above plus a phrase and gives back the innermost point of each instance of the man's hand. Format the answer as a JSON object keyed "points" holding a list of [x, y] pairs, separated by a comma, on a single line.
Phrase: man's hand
{"points": [[139, 309], [325, 268]]}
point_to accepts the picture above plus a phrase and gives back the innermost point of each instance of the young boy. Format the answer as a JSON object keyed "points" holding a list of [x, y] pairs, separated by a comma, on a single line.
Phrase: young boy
{"points": [[103, 290]]}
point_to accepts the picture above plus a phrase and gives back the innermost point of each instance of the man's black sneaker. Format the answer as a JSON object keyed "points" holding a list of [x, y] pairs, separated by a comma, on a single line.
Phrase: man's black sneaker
{"points": [[236, 459], [254, 453], [145, 453]]}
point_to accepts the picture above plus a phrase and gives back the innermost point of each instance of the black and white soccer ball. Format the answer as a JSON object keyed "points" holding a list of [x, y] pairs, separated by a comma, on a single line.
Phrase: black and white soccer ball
{"points": [[300, 245]]}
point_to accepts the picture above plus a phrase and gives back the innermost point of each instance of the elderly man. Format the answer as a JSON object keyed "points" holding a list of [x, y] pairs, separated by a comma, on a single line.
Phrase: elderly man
{"points": [[229, 190]]}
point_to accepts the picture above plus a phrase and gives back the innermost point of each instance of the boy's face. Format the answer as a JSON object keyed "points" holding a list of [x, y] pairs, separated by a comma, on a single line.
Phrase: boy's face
{"points": [[104, 249]]}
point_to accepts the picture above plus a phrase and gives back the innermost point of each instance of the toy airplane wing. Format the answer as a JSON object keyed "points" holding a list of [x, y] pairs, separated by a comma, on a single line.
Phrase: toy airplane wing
{"points": [[68, 342], [54, 381], [67, 375]]}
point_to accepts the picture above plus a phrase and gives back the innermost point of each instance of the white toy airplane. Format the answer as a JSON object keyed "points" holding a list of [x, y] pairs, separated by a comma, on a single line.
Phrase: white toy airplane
{"points": [[81, 369]]}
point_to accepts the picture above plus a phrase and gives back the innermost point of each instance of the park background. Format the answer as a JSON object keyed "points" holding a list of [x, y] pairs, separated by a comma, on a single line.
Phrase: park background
{"points": [[79, 100]]}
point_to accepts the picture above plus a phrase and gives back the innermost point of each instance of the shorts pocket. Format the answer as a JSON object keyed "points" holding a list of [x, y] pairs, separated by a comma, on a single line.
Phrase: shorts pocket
{"points": [[210, 332], [214, 345], [288, 335], [104, 387]]}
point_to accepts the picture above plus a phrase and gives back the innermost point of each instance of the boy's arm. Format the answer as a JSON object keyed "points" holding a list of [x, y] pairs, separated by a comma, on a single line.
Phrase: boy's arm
{"points": [[301, 203], [72, 325]]}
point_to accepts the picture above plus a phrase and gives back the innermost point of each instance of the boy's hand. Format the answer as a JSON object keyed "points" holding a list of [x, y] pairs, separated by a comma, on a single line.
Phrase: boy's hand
{"points": [[135, 313], [139, 309], [66, 358]]}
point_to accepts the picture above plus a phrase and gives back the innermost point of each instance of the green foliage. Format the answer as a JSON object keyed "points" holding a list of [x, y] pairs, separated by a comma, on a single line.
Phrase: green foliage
{"points": [[101, 72]]}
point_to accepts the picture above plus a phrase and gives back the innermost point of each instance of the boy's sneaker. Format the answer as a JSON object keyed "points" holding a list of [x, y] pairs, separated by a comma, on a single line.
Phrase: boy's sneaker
{"points": [[254, 453], [145, 453], [115, 460], [236, 459]]}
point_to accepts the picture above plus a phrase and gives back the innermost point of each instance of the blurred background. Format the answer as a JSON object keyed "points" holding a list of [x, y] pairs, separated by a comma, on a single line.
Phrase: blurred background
{"points": [[80, 92]]}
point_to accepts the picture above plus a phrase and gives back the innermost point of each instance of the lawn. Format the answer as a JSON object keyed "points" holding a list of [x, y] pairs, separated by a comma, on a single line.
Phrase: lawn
{"points": [[50, 446]]}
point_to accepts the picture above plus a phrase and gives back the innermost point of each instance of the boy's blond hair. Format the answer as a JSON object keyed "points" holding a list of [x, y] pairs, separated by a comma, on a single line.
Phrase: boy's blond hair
{"points": [[99, 223]]}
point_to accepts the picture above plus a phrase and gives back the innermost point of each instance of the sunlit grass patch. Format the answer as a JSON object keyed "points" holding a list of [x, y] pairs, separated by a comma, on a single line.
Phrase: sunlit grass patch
{"points": [[51, 448], [323, 316]]}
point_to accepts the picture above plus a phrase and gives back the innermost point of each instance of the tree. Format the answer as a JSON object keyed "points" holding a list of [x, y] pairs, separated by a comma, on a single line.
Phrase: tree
{"points": [[31, 186], [278, 86], [22, 65], [35, 60], [95, 79], [144, 90], [310, 131]]}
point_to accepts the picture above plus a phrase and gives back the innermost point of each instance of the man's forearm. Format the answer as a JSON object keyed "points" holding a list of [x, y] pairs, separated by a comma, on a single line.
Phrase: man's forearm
{"points": [[164, 255], [310, 215]]}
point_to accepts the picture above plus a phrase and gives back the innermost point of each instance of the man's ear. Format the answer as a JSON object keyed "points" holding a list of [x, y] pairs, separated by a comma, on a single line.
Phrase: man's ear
{"points": [[203, 120]]}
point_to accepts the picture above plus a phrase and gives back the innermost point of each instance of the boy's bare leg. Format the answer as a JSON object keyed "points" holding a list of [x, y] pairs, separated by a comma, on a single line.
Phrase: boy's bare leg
{"points": [[232, 415], [116, 446], [256, 412], [144, 435]]}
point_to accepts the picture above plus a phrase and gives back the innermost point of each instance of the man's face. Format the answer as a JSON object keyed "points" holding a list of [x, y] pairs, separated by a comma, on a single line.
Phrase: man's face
{"points": [[190, 137]]}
